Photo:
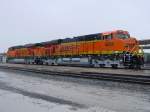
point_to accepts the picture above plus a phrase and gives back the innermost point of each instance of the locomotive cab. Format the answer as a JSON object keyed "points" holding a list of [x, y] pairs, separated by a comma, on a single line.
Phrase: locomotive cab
{"points": [[124, 48], [132, 57]]}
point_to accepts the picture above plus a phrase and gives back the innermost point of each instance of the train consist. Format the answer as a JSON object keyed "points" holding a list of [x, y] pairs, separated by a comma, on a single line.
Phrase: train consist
{"points": [[107, 49]]}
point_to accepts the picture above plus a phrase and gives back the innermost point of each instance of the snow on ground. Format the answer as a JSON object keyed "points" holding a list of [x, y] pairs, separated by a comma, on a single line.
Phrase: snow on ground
{"points": [[11, 102], [25, 92]]}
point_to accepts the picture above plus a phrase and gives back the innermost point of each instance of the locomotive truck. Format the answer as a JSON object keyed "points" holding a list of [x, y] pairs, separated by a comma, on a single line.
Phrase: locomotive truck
{"points": [[107, 49]]}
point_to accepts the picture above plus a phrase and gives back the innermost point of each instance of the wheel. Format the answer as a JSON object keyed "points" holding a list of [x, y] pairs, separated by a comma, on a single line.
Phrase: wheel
{"points": [[102, 65], [96, 65], [46, 63], [114, 66], [131, 66], [52, 64]]}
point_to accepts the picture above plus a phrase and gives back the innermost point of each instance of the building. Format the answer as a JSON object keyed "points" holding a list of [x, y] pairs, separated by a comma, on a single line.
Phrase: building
{"points": [[3, 58], [147, 58]]}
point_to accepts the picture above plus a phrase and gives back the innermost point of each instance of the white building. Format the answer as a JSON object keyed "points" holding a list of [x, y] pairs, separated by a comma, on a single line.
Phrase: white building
{"points": [[3, 58]]}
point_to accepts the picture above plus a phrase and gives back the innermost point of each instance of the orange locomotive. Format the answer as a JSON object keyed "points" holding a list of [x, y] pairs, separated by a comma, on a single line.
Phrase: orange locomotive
{"points": [[115, 48]]}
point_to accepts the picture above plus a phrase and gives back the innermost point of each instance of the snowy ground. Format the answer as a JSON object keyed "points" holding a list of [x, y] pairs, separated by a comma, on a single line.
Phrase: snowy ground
{"points": [[30, 92]]}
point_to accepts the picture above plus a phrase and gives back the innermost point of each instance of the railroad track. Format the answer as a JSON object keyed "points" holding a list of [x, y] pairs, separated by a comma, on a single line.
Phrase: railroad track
{"points": [[140, 79]]}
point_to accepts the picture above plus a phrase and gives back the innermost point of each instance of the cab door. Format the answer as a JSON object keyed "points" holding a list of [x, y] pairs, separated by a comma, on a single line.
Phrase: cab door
{"points": [[108, 42]]}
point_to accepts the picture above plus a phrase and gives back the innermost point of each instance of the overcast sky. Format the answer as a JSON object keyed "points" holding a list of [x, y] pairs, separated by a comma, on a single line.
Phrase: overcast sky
{"points": [[30, 21]]}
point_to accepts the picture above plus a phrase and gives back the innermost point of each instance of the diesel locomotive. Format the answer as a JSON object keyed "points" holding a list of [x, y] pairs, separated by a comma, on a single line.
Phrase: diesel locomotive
{"points": [[107, 49]]}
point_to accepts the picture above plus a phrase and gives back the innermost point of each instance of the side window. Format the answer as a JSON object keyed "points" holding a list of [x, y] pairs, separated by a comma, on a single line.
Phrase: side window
{"points": [[98, 37], [107, 37]]}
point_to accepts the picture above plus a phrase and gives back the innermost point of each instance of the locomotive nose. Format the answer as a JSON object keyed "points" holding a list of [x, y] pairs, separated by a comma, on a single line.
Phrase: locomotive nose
{"points": [[132, 45], [131, 41]]}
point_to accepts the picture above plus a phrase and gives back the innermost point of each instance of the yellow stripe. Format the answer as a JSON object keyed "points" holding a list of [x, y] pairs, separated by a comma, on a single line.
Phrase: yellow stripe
{"points": [[80, 42]]}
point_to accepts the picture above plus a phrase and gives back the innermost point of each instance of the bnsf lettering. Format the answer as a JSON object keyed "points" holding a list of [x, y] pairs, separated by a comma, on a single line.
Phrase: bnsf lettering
{"points": [[67, 48]]}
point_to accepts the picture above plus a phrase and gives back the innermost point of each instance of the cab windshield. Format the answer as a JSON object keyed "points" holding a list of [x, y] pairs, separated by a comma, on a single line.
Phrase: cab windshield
{"points": [[122, 36]]}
